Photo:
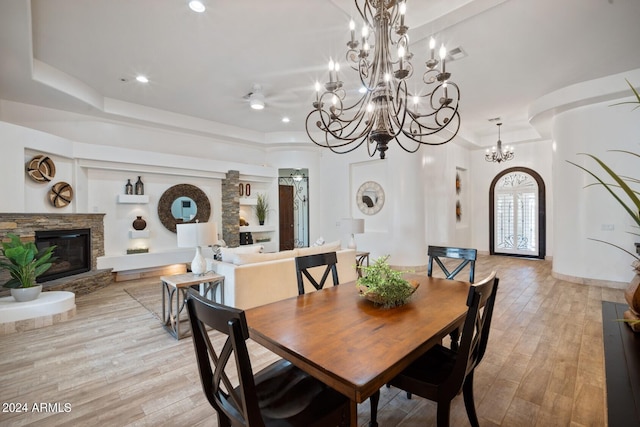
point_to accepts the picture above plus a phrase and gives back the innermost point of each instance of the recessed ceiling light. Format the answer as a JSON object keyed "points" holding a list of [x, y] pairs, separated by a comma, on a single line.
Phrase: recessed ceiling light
{"points": [[197, 6], [285, 120], [142, 79]]}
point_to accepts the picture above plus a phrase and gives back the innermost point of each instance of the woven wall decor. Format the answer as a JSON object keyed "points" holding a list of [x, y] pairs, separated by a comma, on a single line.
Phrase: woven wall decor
{"points": [[60, 194], [41, 169]]}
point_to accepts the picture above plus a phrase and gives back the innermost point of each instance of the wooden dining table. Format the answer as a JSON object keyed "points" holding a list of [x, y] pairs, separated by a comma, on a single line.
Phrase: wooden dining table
{"points": [[352, 345]]}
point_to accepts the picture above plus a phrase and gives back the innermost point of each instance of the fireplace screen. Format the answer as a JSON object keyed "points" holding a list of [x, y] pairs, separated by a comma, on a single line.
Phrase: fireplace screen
{"points": [[73, 252]]}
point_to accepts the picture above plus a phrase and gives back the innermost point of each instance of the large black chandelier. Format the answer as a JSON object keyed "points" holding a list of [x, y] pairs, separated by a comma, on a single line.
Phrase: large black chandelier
{"points": [[385, 109], [497, 154]]}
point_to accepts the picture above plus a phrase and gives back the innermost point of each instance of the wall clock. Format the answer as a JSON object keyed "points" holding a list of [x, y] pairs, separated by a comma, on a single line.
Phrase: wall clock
{"points": [[370, 198]]}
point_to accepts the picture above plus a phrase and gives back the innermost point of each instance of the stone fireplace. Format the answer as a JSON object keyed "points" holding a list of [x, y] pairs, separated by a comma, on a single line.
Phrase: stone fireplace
{"points": [[66, 227]]}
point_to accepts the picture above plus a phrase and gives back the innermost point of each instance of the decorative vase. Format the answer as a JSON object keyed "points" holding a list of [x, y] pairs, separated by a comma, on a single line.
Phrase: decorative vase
{"points": [[139, 187], [261, 222], [128, 188], [632, 296], [26, 294], [139, 223]]}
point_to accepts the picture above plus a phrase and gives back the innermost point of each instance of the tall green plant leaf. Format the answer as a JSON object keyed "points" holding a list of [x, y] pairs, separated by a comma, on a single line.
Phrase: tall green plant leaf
{"points": [[633, 212]]}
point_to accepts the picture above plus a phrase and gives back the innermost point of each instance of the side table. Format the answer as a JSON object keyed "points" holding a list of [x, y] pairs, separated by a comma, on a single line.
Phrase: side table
{"points": [[174, 288], [360, 259]]}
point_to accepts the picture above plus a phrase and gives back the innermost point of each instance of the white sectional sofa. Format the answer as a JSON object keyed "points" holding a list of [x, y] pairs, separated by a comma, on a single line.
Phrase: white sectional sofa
{"points": [[253, 279]]}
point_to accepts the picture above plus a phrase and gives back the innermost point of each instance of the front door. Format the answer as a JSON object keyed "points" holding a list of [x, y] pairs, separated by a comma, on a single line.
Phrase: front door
{"points": [[285, 205], [517, 223]]}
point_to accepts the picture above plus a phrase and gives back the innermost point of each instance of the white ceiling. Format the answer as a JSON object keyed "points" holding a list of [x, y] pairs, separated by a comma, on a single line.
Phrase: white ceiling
{"points": [[83, 56]]}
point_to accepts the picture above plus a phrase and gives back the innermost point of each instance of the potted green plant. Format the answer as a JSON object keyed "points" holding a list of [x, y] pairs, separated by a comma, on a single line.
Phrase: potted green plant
{"points": [[628, 198], [383, 285], [24, 263], [262, 207]]}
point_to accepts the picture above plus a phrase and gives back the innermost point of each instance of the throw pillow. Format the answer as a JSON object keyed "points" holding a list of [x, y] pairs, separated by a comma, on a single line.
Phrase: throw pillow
{"points": [[319, 242]]}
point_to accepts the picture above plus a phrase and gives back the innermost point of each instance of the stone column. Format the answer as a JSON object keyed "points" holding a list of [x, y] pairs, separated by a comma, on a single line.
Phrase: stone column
{"points": [[231, 209]]}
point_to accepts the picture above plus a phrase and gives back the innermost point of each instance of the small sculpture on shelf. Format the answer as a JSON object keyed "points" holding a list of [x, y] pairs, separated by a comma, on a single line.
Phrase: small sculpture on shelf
{"points": [[128, 188], [139, 187]]}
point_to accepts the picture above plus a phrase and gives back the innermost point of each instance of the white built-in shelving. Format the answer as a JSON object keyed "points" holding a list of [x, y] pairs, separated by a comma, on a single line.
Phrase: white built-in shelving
{"points": [[133, 198]]}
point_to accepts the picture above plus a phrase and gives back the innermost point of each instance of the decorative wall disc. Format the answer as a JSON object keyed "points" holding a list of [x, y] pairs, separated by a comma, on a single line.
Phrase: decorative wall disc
{"points": [[41, 169], [60, 194]]}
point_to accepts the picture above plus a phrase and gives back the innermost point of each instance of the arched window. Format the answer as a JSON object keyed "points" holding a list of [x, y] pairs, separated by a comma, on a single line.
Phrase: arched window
{"points": [[517, 214]]}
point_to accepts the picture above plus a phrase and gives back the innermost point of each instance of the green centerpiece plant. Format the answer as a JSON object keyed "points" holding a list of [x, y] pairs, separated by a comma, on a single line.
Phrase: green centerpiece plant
{"points": [[383, 285]]}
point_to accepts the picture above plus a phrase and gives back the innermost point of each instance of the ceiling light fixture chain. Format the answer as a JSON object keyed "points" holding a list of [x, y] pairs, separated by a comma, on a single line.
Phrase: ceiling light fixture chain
{"points": [[386, 110], [497, 154]]}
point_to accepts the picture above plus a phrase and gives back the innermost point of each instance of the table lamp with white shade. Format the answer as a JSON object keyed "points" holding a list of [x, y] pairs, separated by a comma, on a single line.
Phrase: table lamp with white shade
{"points": [[197, 234], [352, 226]]}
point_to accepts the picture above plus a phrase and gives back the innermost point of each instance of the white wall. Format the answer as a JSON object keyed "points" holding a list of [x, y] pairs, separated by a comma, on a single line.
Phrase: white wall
{"points": [[420, 200], [588, 212]]}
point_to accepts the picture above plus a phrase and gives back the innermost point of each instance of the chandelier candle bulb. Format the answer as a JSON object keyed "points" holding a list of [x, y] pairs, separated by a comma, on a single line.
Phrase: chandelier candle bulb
{"points": [[443, 54], [403, 10], [352, 28], [365, 35], [432, 47], [331, 68]]}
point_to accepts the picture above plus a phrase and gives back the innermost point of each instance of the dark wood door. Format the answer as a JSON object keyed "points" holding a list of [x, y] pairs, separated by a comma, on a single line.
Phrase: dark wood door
{"points": [[285, 205]]}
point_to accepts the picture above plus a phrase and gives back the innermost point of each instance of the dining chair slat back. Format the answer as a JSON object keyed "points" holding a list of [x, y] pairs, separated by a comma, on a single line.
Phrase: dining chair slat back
{"points": [[307, 262], [271, 397], [466, 255]]}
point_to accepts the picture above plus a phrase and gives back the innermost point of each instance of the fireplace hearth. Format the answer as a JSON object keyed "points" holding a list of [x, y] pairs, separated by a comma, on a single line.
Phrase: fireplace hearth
{"points": [[73, 252]]}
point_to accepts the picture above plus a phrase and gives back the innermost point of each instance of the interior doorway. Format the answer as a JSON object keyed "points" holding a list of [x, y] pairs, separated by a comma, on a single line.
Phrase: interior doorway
{"points": [[517, 214], [293, 187]]}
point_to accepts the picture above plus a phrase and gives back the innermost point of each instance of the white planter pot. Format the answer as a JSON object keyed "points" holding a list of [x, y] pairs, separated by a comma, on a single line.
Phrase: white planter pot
{"points": [[26, 294]]}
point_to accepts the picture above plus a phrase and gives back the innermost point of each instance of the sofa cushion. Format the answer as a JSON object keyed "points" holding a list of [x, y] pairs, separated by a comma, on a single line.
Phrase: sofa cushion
{"points": [[229, 253], [313, 250], [242, 259]]}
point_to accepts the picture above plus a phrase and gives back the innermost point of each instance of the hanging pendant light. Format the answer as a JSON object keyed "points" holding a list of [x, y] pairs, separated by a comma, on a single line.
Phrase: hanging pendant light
{"points": [[497, 154], [386, 110]]}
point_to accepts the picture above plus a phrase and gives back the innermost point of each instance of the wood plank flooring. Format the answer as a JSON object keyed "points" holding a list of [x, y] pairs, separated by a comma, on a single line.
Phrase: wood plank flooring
{"points": [[114, 364]]}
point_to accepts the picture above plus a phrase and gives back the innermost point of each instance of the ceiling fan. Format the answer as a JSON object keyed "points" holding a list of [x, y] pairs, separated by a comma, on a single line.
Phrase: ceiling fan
{"points": [[258, 100]]}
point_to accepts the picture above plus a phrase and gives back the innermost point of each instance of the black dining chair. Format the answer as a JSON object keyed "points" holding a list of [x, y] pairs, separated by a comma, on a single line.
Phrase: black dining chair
{"points": [[304, 263], [466, 257], [278, 395], [441, 373]]}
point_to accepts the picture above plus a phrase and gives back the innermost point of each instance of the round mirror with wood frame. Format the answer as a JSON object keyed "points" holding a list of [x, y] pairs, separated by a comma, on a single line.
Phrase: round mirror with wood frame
{"points": [[183, 190]]}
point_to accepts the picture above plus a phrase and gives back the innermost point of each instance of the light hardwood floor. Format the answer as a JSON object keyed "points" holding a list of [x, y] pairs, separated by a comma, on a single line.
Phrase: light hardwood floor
{"points": [[115, 365]]}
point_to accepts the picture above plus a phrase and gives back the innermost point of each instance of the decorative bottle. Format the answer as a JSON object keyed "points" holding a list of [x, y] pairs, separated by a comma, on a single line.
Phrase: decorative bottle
{"points": [[139, 223], [139, 187], [128, 189]]}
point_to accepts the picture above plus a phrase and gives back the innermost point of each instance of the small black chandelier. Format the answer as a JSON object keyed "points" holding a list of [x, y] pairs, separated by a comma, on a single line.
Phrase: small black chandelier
{"points": [[497, 154], [385, 109]]}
